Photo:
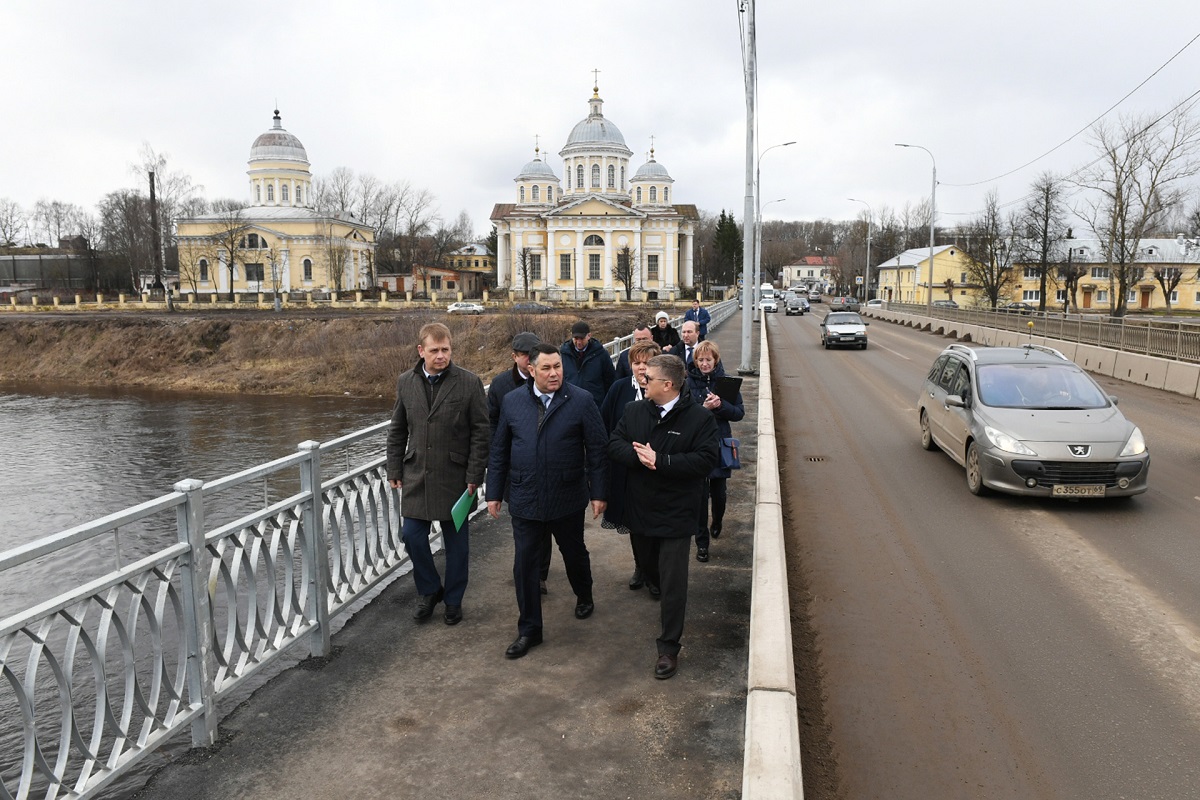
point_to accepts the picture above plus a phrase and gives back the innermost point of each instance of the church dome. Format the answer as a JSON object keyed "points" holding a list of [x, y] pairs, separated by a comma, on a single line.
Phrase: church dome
{"points": [[651, 171], [537, 170], [277, 145], [594, 131]]}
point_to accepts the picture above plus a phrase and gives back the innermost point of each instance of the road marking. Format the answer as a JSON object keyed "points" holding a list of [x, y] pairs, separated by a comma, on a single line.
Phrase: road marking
{"points": [[875, 343]]}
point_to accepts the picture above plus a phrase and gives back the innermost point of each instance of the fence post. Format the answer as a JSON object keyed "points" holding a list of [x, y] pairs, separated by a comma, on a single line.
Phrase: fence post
{"points": [[1178, 341], [315, 550], [197, 616]]}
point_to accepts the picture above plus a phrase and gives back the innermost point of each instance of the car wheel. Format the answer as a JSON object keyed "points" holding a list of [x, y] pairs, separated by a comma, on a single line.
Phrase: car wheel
{"points": [[825, 344], [974, 471], [862, 346], [926, 434]]}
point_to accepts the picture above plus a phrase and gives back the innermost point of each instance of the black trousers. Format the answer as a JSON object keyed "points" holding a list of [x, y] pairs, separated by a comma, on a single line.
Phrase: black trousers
{"points": [[715, 488], [664, 562], [530, 537]]}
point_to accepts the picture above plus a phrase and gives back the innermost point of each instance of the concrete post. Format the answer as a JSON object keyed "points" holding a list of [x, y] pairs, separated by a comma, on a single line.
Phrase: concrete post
{"points": [[78, 299], [56, 301]]}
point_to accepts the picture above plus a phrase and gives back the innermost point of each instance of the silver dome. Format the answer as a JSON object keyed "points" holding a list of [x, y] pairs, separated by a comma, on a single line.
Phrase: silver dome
{"points": [[277, 145], [595, 130], [537, 170], [651, 171]]}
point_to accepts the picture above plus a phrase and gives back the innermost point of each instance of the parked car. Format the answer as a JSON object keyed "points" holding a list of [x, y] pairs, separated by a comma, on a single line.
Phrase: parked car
{"points": [[843, 304], [464, 308], [945, 304], [1016, 308], [1029, 421], [875, 303], [843, 328], [531, 308], [769, 304], [797, 305]]}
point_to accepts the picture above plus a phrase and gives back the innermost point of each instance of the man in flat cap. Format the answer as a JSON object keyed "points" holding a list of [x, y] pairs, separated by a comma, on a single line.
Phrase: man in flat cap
{"points": [[586, 363]]}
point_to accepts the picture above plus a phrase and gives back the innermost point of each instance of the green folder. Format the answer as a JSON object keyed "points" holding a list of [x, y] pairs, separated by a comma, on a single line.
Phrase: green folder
{"points": [[462, 509]]}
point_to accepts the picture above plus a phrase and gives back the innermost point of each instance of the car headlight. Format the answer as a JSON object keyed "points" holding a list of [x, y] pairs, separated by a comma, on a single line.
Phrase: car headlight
{"points": [[1136, 444], [1006, 443]]}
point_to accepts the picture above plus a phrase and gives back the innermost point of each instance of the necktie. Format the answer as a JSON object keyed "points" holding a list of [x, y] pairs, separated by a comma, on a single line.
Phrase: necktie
{"points": [[546, 400], [661, 410], [433, 379], [688, 357]]}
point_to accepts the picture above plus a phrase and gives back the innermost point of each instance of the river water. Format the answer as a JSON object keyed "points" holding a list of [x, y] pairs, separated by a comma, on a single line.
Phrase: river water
{"points": [[68, 457]]}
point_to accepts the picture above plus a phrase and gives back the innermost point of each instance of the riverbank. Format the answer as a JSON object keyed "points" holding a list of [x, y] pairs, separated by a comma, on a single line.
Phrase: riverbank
{"points": [[333, 354]]}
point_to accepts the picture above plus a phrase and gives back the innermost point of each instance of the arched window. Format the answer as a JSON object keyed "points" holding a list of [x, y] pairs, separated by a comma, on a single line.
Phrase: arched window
{"points": [[308, 269], [537, 194], [299, 195], [283, 193], [579, 176], [612, 177], [257, 194], [595, 176], [204, 270], [653, 194], [549, 194], [522, 194], [270, 193], [253, 241], [639, 194], [593, 241], [666, 196]]}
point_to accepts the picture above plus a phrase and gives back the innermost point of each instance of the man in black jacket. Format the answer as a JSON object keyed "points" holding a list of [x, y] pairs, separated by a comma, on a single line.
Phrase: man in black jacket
{"points": [[549, 451], [641, 333], [586, 363], [668, 443]]}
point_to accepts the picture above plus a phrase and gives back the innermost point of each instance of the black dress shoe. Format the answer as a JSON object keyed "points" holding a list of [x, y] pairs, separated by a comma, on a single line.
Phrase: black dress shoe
{"points": [[584, 609], [666, 666], [453, 614], [655, 592], [702, 554], [427, 603], [636, 581], [715, 532], [521, 646], [542, 587]]}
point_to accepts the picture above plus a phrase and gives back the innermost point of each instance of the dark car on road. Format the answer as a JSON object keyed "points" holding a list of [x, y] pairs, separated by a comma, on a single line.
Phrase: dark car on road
{"points": [[1028, 420], [844, 304], [796, 305]]}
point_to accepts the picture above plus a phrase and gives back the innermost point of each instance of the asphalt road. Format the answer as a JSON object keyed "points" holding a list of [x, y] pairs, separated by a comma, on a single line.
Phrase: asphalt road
{"points": [[983, 647]]}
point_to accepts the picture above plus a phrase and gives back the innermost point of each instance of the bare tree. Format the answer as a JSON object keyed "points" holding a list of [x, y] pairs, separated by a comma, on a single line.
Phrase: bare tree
{"points": [[12, 223], [989, 250], [1168, 279], [176, 194], [1043, 220], [524, 264], [625, 270], [54, 220], [229, 228], [125, 232], [1134, 186], [1070, 274]]}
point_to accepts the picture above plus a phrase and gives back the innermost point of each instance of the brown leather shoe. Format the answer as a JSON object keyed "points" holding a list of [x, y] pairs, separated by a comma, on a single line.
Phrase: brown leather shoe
{"points": [[666, 666]]}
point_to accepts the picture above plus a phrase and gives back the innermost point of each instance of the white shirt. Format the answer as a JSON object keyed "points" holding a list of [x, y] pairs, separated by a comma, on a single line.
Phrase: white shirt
{"points": [[666, 407]]}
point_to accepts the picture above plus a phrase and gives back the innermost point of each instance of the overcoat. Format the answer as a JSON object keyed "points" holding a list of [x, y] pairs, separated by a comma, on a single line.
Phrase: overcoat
{"points": [[592, 370], [436, 450], [700, 385], [620, 394]]}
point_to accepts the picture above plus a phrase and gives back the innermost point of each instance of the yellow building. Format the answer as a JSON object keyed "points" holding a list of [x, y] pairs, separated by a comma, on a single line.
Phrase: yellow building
{"points": [[573, 243], [278, 241], [905, 278]]}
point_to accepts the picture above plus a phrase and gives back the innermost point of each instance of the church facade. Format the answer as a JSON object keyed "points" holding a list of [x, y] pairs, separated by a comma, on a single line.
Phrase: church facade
{"points": [[601, 234], [278, 241]]}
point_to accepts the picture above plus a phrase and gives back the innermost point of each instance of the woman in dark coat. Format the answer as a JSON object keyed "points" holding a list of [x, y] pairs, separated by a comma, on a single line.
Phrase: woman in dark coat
{"points": [[621, 394], [664, 335], [706, 367]]}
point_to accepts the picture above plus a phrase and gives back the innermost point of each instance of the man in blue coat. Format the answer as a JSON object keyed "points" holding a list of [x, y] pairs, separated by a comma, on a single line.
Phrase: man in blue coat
{"points": [[549, 449], [700, 316], [586, 363]]}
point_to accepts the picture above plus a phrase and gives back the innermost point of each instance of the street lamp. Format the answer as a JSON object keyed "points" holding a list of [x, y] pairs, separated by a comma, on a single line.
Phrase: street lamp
{"points": [[758, 221], [867, 273], [932, 221]]}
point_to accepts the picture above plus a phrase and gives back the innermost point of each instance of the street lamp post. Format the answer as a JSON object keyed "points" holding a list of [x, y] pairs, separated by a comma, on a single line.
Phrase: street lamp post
{"points": [[932, 222], [867, 272], [758, 222]]}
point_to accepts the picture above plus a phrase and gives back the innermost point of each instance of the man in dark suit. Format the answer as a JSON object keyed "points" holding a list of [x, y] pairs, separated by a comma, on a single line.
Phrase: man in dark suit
{"points": [[700, 316], [437, 446], [549, 450], [668, 443], [689, 334], [641, 333]]}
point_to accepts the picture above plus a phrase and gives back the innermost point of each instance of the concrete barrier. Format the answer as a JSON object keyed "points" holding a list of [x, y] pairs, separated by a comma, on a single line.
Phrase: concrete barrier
{"points": [[771, 767]]}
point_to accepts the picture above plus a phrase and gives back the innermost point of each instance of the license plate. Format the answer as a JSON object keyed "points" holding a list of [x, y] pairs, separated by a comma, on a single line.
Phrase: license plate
{"points": [[1086, 490], [847, 338]]}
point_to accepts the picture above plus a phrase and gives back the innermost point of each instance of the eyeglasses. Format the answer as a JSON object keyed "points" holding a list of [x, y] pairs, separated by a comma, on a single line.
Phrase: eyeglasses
{"points": [[664, 380]]}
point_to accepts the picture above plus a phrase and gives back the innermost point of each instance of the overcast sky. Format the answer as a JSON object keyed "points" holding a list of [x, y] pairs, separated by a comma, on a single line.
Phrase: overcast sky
{"points": [[449, 95]]}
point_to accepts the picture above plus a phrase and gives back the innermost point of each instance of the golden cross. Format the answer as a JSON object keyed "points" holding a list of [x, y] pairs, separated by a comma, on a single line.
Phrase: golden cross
{"points": [[595, 80]]}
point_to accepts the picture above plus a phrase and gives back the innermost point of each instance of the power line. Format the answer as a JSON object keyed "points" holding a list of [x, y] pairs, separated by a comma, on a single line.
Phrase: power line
{"points": [[1086, 127]]}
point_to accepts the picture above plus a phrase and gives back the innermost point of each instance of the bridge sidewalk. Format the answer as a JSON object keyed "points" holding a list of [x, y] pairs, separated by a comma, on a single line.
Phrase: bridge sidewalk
{"points": [[406, 710]]}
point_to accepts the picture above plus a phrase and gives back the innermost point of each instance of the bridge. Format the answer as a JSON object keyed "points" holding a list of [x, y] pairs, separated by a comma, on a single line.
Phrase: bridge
{"points": [[282, 641]]}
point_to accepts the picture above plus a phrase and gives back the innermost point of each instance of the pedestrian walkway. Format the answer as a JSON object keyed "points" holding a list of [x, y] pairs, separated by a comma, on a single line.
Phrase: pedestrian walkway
{"points": [[406, 710]]}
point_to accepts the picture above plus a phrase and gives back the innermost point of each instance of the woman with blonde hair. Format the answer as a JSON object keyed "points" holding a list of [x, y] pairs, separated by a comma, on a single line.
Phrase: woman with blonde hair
{"points": [[703, 372]]}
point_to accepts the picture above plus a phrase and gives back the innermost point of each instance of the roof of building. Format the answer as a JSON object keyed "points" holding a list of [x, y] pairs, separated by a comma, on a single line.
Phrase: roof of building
{"points": [[652, 171], [278, 145], [536, 170], [910, 258], [594, 130], [473, 249]]}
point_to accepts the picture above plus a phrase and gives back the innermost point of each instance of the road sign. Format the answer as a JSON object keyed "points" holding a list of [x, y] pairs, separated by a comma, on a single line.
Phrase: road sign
{"points": [[858, 279]]}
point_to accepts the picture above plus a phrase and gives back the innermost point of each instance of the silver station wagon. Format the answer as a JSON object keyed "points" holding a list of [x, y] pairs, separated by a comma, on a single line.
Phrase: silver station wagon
{"points": [[1028, 420]]}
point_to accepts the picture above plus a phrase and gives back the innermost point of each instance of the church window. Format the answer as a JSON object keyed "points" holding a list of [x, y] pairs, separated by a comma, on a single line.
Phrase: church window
{"points": [[522, 194], [653, 194], [535, 266], [593, 241], [549, 194], [652, 268], [595, 176], [270, 193], [204, 270], [665, 195], [299, 195], [258, 194], [622, 179], [579, 176], [612, 177], [639, 194], [564, 267], [593, 266], [254, 272], [537, 194], [308, 269], [254, 241], [283, 193]]}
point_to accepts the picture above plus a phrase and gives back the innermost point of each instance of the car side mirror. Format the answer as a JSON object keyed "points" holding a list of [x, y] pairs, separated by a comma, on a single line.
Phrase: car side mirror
{"points": [[1113, 399], [955, 401], [866, 324]]}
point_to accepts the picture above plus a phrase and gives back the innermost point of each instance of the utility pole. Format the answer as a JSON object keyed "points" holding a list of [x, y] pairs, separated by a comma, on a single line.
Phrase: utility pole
{"points": [[749, 288]]}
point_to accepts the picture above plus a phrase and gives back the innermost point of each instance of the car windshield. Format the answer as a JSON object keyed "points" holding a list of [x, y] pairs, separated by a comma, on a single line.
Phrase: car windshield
{"points": [[1044, 386], [843, 319]]}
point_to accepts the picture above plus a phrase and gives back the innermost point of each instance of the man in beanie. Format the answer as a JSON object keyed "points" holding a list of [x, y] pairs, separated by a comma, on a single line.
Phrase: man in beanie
{"points": [[586, 363]]}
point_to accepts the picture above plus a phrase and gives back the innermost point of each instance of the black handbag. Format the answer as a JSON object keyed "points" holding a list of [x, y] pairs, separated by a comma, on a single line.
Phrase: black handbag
{"points": [[729, 454]]}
